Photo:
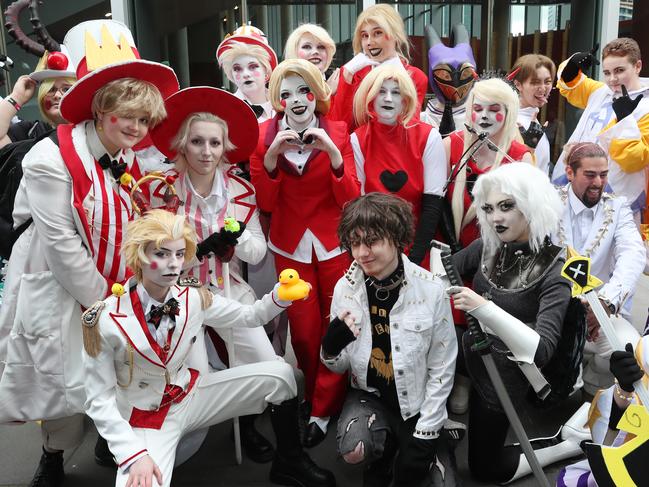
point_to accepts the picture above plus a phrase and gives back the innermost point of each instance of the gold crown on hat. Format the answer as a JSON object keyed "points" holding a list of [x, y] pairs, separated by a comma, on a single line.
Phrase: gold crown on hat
{"points": [[109, 52]]}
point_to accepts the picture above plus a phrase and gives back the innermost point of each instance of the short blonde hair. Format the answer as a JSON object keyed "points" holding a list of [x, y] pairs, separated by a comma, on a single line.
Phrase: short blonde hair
{"points": [[388, 19], [155, 226], [226, 60], [309, 73], [127, 96], [44, 88], [293, 41], [493, 90], [369, 89], [179, 142]]}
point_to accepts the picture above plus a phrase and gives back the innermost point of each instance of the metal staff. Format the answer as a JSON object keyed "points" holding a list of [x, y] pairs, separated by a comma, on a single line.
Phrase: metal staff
{"points": [[577, 270], [482, 345]]}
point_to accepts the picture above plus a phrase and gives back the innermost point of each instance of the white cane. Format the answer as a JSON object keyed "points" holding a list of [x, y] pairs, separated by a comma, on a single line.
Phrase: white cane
{"points": [[225, 271]]}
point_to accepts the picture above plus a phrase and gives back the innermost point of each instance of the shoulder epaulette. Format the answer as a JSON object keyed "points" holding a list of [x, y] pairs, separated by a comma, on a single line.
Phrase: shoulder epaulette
{"points": [[190, 281], [90, 317]]}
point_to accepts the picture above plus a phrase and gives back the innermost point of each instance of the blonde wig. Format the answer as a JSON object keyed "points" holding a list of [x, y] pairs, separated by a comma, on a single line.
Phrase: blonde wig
{"points": [[369, 89], [155, 226], [293, 42], [181, 139], [491, 90], [241, 49], [388, 19], [535, 197], [44, 88], [128, 97], [311, 76]]}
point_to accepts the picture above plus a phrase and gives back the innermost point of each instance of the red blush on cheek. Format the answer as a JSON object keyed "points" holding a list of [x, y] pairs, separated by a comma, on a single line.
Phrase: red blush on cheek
{"points": [[47, 104], [113, 119], [310, 96], [474, 117], [500, 117], [283, 103], [153, 266]]}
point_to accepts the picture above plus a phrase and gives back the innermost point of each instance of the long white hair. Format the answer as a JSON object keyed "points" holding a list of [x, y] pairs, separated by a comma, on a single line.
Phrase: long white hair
{"points": [[535, 197], [492, 90]]}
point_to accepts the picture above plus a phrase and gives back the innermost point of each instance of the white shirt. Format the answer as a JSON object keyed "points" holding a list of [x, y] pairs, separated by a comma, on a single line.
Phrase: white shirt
{"points": [[542, 150], [582, 219], [269, 112], [166, 323], [297, 157]]}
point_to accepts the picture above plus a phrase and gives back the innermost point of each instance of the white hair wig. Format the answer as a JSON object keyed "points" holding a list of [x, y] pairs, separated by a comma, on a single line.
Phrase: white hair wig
{"points": [[535, 197]]}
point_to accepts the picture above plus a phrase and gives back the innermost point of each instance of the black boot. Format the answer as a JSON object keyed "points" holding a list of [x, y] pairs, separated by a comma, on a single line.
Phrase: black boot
{"points": [[292, 466], [50, 470], [256, 447], [103, 456]]}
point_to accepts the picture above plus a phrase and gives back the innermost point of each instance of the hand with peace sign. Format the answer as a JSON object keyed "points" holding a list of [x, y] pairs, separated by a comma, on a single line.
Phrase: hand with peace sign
{"points": [[624, 105], [579, 62]]}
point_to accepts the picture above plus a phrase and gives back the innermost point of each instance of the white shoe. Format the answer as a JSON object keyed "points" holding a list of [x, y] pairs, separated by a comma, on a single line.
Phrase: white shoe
{"points": [[576, 428], [458, 400]]}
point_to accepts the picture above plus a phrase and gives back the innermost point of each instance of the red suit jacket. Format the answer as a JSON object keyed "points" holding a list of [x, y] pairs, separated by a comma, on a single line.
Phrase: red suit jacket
{"points": [[313, 200]]}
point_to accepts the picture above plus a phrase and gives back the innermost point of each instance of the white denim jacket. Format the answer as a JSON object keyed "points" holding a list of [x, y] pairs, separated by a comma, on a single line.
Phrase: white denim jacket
{"points": [[424, 346]]}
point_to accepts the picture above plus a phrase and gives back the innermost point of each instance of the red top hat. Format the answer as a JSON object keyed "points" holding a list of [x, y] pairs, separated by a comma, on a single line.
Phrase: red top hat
{"points": [[247, 34], [243, 129], [104, 51]]}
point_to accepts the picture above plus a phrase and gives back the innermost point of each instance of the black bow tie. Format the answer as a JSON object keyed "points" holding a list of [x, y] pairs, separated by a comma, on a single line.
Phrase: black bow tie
{"points": [[258, 109], [170, 308], [116, 168]]}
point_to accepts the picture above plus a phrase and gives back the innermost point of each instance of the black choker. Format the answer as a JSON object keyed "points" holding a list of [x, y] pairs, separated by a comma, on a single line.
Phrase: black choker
{"points": [[382, 288]]}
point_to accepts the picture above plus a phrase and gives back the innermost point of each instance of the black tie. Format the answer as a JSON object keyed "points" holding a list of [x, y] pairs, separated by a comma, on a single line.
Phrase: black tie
{"points": [[170, 308], [258, 109], [116, 168]]}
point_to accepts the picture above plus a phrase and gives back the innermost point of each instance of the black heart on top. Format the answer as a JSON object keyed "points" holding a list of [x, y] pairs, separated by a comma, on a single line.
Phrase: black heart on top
{"points": [[393, 182]]}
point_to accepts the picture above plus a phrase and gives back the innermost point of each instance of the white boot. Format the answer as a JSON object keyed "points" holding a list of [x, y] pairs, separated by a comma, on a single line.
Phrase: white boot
{"points": [[576, 428], [546, 456], [458, 400]]}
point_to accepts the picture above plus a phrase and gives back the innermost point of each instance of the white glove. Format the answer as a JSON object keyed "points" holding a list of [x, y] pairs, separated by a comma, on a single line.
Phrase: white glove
{"points": [[394, 61], [358, 62]]}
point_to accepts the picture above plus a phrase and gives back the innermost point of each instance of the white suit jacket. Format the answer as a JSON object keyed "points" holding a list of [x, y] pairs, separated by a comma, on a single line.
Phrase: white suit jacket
{"points": [[128, 373], [51, 275], [613, 244]]}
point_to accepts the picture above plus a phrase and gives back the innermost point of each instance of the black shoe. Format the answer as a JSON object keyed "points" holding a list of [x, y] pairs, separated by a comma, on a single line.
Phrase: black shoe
{"points": [[300, 471], [378, 473], [313, 435], [103, 456], [256, 447], [50, 471]]}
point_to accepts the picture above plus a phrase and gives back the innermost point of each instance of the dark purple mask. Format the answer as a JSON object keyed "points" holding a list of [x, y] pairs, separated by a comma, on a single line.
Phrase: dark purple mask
{"points": [[451, 70]]}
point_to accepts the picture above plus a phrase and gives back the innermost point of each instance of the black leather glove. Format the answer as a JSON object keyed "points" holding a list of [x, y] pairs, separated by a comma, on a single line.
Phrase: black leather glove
{"points": [[580, 61], [413, 462], [447, 123], [625, 368], [624, 105], [432, 207], [532, 136], [338, 336], [220, 243]]}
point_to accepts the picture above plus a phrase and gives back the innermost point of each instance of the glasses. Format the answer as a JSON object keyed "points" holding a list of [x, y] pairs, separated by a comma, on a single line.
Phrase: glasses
{"points": [[61, 89]]}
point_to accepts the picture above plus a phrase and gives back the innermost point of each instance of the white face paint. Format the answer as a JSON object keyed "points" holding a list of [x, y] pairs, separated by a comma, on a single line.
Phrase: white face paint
{"points": [[487, 117], [165, 264], [505, 218], [388, 103], [298, 102], [249, 75]]}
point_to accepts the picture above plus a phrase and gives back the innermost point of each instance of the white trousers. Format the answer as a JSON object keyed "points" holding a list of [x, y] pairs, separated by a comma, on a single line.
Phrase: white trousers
{"points": [[215, 398]]}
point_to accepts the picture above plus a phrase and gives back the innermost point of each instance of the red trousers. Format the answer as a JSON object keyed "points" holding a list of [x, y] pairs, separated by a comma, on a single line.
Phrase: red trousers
{"points": [[309, 321]]}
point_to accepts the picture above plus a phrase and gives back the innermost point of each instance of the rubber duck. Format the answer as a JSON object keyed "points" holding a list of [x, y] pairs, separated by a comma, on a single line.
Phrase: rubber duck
{"points": [[291, 286]]}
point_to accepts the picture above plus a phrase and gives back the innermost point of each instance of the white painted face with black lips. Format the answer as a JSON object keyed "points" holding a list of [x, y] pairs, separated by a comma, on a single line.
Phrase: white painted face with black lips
{"points": [[298, 101], [487, 117], [388, 103], [505, 218]]}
